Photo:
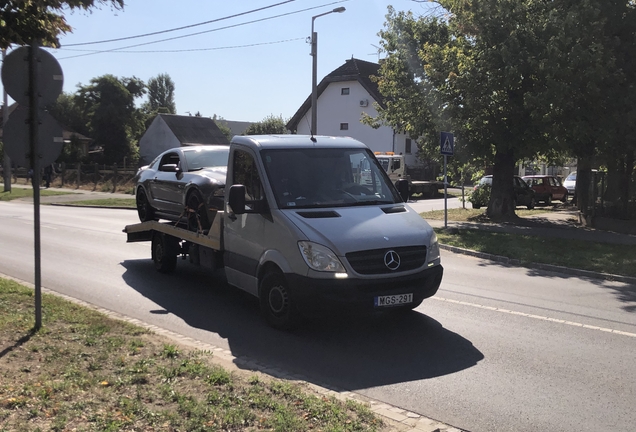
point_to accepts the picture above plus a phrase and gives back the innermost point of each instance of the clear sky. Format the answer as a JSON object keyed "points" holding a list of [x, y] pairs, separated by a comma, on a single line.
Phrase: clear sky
{"points": [[238, 70]]}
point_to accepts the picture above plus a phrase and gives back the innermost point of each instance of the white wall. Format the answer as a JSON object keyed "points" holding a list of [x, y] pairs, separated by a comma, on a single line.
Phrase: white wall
{"points": [[335, 108], [157, 139]]}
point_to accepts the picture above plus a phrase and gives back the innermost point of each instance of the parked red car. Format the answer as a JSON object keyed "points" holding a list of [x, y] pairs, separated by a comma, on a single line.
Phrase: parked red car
{"points": [[547, 188]]}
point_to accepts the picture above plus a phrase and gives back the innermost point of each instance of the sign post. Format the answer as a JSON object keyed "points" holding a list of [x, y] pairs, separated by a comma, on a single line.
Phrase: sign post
{"points": [[33, 78], [447, 146]]}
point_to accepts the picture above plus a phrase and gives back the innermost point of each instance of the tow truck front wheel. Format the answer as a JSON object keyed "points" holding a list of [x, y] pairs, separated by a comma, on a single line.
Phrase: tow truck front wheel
{"points": [[276, 305], [165, 249]]}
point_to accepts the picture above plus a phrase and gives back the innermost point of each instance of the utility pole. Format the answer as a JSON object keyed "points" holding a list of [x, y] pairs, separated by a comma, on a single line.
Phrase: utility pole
{"points": [[6, 166]]}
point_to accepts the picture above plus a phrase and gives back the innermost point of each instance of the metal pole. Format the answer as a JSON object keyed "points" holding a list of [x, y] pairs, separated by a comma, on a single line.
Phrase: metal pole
{"points": [[314, 70], [35, 165], [445, 196], [314, 80], [5, 116]]}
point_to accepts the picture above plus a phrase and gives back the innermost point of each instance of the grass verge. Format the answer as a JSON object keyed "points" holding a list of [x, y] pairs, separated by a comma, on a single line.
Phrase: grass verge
{"points": [[584, 255], [85, 371], [474, 215], [106, 202], [27, 193]]}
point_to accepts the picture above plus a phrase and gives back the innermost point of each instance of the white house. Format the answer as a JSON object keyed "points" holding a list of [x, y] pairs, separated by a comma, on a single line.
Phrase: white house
{"points": [[169, 131], [343, 96]]}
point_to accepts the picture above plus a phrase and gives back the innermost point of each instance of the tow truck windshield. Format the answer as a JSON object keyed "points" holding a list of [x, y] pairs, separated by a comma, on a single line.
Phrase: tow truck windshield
{"points": [[332, 177]]}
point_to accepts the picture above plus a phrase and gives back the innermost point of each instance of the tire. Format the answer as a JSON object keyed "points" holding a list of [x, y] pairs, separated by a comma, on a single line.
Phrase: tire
{"points": [[565, 198], [548, 200], [275, 302], [197, 215], [144, 209], [165, 249], [532, 203]]}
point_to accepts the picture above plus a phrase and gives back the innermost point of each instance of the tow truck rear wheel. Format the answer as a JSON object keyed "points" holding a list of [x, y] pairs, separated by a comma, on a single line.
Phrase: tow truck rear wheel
{"points": [[165, 249], [276, 304]]}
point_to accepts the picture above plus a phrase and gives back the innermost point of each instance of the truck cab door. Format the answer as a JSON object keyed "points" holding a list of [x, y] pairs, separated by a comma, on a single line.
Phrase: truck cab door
{"points": [[244, 234]]}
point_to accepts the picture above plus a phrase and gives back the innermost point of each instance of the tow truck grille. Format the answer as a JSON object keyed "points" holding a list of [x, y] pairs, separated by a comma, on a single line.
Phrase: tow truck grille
{"points": [[372, 261]]}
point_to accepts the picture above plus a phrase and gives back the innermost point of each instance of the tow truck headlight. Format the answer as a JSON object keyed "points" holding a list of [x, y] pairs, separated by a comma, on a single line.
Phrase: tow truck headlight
{"points": [[433, 250], [320, 258]]}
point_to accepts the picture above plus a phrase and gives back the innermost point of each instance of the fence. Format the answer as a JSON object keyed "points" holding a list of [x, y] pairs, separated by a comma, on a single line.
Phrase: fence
{"points": [[109, 176]]}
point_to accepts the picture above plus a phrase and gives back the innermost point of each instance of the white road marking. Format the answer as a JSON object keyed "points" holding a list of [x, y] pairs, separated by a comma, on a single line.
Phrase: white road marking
{"points": [[538, 317]]}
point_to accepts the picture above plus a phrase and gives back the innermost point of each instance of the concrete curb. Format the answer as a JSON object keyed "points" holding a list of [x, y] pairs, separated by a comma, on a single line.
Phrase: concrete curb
{"points": [[397, 419], [540, 266]]}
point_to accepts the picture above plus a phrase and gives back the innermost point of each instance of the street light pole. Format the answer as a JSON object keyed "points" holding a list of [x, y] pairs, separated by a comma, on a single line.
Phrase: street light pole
{"points": [[6, 163], [314, 75]]}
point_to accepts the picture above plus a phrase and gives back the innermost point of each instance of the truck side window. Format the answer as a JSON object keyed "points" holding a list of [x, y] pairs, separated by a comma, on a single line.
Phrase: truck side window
{"points": [[246, 173], [395, 165]]}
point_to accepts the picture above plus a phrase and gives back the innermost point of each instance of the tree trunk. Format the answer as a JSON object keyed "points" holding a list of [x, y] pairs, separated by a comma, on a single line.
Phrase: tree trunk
{"points": [[584, 179], [627, 180], [502, 204], [615, 176]]}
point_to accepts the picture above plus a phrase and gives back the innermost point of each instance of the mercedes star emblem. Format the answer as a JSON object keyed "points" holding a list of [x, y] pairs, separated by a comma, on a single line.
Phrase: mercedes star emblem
{"points": [[392, 260]]}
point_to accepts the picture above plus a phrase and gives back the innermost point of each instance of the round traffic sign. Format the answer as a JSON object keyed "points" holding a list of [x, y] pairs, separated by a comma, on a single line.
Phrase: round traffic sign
{"points": [[15, 76], [17, 142]]}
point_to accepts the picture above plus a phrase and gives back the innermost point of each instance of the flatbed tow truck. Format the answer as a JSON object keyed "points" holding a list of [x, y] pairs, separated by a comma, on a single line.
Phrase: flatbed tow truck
{"points": [[302, 242]]}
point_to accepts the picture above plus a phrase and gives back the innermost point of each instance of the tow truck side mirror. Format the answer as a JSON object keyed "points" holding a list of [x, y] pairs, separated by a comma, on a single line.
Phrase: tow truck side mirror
{"points": [[237, 199], [403, 188]]}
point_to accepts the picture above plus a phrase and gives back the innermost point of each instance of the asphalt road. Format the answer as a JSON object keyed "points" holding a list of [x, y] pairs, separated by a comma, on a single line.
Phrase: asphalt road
{"points": [[498, 349]]}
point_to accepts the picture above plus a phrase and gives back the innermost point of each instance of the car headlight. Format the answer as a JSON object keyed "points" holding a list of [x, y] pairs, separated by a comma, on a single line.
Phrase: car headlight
{"points": [[320, 258], [433, 250]]}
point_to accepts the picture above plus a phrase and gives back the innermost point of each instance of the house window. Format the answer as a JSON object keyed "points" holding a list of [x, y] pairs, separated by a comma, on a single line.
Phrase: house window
{"points": [[344, 91], [407, 146], [344, 126]]}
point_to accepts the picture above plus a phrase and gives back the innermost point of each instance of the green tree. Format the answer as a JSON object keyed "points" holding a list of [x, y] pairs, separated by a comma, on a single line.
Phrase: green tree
{"points": [[514, 79], [161, 95], [67, 111], [269, 125], [22, 21], [115, 123], [222, 125]]}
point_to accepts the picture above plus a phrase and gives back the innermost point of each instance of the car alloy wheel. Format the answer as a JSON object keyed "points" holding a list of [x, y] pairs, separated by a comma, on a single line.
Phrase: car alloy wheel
{"points": [[144, 209]]}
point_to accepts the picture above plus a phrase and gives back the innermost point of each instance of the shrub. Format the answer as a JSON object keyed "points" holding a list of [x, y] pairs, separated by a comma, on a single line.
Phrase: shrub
{"points": [[480, 196]]}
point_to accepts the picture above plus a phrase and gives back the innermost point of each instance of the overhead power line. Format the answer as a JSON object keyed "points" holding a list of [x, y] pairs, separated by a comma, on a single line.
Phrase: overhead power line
{"points": [[205, 31], [190, 49], [184, 27]]}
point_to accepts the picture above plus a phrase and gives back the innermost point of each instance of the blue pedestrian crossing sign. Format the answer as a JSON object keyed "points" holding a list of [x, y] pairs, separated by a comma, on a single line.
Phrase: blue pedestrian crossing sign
{"points": [[447, 143]]}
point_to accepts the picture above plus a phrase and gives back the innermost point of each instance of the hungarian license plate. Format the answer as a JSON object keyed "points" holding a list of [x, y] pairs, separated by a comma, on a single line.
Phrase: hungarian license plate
{"points": [[393, 300]]}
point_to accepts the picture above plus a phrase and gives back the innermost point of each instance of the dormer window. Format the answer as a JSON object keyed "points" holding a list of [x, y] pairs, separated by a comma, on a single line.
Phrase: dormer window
{"points": [[344, 91]]}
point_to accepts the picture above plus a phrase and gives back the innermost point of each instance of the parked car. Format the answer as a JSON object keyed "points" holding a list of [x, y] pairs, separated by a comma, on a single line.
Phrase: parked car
{"points": [[547, 188], [570, 183], [523, 194], [183, 185]]}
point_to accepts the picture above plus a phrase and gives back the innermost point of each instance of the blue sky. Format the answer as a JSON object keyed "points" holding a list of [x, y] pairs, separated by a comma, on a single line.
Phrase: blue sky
{"points": [[246, 83]]}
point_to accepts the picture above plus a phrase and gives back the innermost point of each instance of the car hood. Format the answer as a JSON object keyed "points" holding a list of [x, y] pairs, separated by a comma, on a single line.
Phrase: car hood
{"points": [[218, 174], [348, 229]]}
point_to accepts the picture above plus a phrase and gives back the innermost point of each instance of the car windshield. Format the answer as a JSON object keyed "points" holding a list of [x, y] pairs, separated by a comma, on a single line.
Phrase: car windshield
{"points": [[327, 177], [207, 157], [485, 180], [571, 177]]}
